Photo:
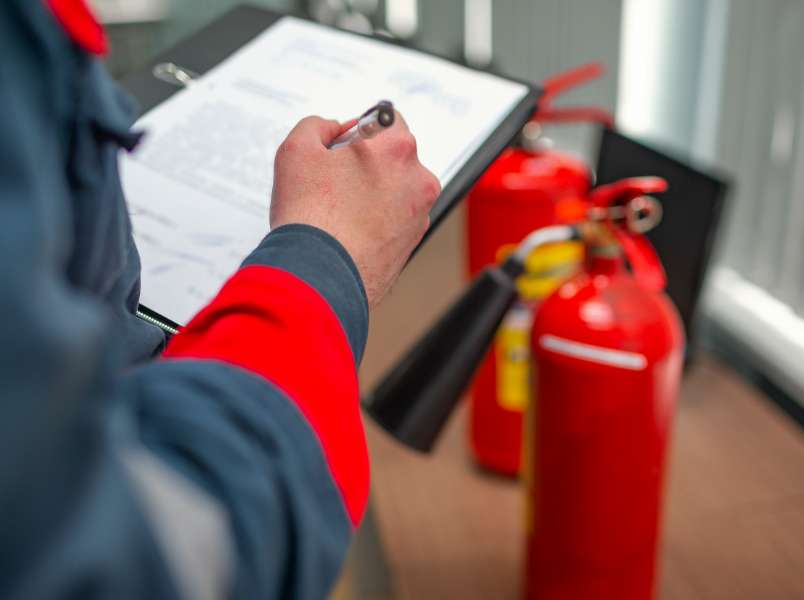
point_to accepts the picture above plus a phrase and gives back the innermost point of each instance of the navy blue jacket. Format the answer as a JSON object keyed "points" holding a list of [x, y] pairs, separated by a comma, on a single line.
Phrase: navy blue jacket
{"points": [[215, 467]]}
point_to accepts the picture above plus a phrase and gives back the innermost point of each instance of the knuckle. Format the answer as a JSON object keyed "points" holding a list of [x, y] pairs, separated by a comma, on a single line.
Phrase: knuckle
{"points": [[310, 120], [404, 147], [428, 187], [411, 145], [287, 147], [307, 124], [432, 188]]}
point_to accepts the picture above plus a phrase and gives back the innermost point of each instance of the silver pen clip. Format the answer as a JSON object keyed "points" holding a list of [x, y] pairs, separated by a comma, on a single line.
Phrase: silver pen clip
{"points": [[174, 74]]}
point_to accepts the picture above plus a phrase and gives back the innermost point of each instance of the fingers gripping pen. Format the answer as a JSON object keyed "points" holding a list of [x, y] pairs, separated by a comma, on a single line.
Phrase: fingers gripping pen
{"points": [[370, 123]]}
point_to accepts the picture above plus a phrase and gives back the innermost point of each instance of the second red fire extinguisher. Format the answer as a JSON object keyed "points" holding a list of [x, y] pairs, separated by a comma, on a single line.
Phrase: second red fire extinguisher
{"points": [[523, 190]]}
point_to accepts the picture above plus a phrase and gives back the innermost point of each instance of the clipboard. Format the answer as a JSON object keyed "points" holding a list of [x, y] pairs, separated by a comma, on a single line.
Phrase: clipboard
{"points": [[211, 45]]}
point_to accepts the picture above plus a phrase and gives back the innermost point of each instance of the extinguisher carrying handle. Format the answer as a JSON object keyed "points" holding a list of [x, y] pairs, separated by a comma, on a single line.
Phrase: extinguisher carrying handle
{"points": [[566, 80], [639, 252], [560, 83]]}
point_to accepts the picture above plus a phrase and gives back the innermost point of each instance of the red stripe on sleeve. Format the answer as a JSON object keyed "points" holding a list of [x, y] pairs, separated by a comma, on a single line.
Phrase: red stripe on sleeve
{"points": [[275, 325], [80, 24]]}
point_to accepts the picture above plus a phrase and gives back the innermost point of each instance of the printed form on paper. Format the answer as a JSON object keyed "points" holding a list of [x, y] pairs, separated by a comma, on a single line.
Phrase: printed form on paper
{"points": [[199, 185]]}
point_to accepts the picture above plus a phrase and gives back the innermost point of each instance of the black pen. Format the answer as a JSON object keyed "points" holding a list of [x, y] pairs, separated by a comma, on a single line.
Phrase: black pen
{"points": [[373, 121]]}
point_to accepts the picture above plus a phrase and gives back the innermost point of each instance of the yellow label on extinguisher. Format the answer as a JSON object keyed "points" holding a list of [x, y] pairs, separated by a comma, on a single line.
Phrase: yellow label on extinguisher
{"points": [[546, 267], [512, 349]]}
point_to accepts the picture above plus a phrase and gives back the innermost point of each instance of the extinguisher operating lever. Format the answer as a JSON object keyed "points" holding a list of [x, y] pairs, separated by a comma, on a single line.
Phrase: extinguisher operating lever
{"points": [[641, 213], [416, 396]]}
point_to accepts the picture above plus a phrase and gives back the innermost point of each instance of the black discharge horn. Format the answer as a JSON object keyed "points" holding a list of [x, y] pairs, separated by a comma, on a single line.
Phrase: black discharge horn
{"points": [[416, 396]]}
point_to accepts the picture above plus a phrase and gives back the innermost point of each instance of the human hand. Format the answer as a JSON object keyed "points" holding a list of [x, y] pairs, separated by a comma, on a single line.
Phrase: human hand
{"points": [[374, 196]]}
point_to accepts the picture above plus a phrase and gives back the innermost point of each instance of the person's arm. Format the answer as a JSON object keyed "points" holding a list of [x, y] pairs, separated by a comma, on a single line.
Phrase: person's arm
{"points": [[276, 352], [234, 466], [256, 402]]}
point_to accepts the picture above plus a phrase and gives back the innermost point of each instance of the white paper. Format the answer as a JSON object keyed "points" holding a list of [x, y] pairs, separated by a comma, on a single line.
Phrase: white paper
{"points": [[199, 185]]}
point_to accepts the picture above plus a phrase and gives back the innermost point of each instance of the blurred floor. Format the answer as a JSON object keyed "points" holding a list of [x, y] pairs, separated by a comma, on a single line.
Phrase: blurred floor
{"points": [[734, 526]]}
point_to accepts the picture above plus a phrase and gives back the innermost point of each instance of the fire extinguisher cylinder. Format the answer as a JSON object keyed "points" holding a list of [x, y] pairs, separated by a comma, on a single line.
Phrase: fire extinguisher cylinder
{"points": [[416, 397]]}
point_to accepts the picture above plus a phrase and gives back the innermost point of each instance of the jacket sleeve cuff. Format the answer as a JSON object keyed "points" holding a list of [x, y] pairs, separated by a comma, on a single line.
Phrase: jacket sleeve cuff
{"points": [[318, 259]]}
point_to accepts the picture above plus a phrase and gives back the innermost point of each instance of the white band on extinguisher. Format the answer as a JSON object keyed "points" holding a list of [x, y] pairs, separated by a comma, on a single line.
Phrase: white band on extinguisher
{"points": [[605, 356]]}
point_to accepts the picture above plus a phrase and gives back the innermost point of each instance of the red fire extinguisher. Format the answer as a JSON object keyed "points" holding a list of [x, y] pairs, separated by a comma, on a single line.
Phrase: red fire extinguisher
{"points": [[608, 352], [520, 192]]}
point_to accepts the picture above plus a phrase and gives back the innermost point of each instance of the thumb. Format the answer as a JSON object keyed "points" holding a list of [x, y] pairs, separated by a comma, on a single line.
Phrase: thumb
{"points": [[316, 130], [332, 134], [347, 125]]}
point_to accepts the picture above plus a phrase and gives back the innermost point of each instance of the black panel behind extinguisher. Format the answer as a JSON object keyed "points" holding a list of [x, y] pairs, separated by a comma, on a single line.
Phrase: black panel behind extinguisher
{"points": [[692, 207]]}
